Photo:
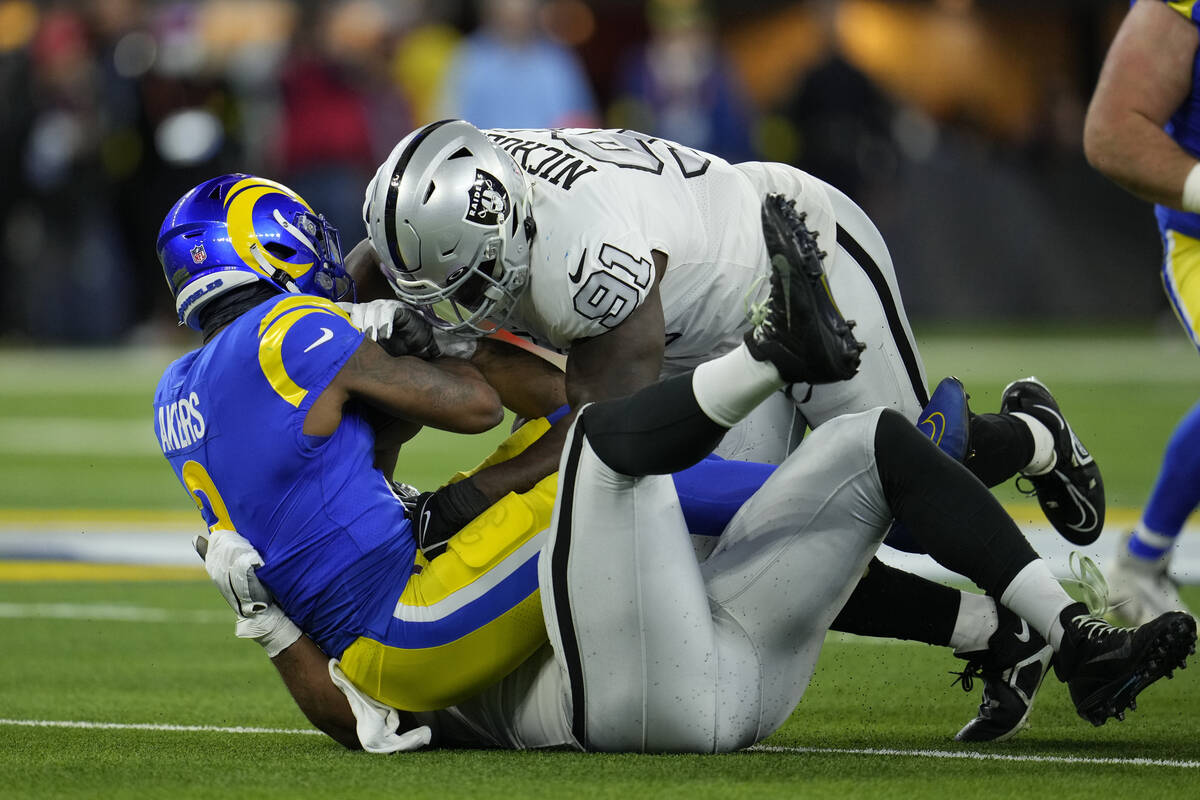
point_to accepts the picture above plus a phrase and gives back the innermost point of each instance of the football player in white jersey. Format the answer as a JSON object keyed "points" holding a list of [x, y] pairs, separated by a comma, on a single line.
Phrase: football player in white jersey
{"points": [[639, 258]]}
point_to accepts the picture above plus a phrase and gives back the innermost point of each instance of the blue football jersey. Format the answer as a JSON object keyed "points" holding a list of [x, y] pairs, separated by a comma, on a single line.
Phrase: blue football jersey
{"points": [[1184, 128], [336, 545]]}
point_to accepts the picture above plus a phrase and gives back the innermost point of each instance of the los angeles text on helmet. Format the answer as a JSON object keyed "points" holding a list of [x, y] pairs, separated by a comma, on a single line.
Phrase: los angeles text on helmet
{"points": [[559, 167]]}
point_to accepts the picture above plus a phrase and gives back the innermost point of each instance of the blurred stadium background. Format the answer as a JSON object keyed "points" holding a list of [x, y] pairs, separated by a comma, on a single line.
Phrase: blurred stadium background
{"points": [[955, 123]]}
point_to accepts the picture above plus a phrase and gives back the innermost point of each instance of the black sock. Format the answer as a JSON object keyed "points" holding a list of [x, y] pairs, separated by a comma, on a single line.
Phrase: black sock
{"points": [[894, 604], [949, 512], [1001, 446], [659, 430]]}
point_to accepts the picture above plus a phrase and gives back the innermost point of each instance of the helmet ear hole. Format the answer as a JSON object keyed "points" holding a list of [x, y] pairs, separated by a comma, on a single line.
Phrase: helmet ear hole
{"points": [[281, 251]]}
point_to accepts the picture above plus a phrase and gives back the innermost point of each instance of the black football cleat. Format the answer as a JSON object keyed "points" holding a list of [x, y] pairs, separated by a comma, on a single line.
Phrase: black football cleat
{"points": [[799, 328], [1012, 669], [1071, 493], [1105, 667]]}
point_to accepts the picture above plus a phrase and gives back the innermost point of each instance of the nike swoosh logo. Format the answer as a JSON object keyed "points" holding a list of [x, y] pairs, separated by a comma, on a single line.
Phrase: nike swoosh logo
{"points": [[578, 273], [1082, 456], [1088, 518], [1023, 636], [937, 426], [326, 335]]}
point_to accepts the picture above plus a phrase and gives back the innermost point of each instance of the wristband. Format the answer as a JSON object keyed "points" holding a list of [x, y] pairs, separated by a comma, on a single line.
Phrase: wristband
{"points": [[271, 628], [1191, 191]]}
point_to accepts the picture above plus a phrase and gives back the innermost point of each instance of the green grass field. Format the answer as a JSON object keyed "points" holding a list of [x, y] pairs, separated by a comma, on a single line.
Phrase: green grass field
{"points": [[155, 650]]}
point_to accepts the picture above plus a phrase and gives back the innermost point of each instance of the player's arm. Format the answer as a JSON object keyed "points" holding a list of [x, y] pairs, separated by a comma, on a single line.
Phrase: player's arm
{"points": [[344, 714], [362, 264], [623, 360], [614, 364], [527, 384], [449, 394], [1146, 76], [305, 672]]}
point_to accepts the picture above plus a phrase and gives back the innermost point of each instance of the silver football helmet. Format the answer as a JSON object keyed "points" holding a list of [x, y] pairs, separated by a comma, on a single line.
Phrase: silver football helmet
{"points": [[449, 215]]}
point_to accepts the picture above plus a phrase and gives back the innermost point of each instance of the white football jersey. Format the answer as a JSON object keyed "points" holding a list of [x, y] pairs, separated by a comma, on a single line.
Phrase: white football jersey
{"points": [[604, 199]]}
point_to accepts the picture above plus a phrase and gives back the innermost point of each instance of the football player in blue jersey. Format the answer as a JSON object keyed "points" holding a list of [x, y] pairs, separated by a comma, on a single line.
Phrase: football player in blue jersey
{"points": [[274, 424], [1143, 131], [649, 649]]}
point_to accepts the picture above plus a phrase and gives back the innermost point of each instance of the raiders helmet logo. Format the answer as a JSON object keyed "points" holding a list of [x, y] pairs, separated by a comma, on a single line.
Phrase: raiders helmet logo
{"points": [[487, 201], [198, 254]]}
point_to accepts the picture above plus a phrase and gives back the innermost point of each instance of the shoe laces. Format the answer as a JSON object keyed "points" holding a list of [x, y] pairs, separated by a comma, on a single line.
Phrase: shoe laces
{"points": [[1093, 587], [1090, 581], [966, 678], [1088, 578], [756, 312]]}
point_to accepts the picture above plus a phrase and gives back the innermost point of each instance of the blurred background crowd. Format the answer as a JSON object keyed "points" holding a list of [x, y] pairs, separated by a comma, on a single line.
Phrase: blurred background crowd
{"points": [[955, 123]]}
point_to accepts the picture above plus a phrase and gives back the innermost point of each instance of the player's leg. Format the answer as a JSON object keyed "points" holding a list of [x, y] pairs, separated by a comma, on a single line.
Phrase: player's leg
{"points": [[1139, 578], [647, 661], [863, 279], [1105, 667], [625, 609], [1029, 436], [624, 603]]}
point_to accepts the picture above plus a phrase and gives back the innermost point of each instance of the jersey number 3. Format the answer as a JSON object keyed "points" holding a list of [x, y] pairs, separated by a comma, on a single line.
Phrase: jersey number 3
{"points": [[612, 294], [202, 489]]}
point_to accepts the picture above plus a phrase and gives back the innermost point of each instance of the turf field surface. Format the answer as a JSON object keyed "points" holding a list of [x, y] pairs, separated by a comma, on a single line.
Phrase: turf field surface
{"points": [[125, 680], [212, 718]]}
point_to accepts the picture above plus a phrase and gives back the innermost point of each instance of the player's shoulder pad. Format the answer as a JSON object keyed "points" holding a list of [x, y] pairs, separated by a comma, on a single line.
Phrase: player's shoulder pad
{"points": [[597, 285], [302, 341]]}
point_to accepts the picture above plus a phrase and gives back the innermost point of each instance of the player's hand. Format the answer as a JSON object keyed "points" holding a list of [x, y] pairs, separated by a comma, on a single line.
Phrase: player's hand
{"points": [[398, 328], [439, 515], [230, 561]]}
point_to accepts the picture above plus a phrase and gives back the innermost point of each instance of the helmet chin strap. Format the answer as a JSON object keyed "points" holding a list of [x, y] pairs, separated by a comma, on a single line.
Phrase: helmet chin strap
{"points": [[277, 275]]}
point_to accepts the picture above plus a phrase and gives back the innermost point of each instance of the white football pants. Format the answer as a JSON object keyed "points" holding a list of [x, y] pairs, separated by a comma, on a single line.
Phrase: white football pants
{"points": [[653, 652]]}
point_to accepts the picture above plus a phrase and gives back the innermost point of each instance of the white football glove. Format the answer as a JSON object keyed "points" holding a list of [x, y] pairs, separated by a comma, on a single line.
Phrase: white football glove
{"points": [[376, 722], [397, 327], [230, 560], [403, 331]]}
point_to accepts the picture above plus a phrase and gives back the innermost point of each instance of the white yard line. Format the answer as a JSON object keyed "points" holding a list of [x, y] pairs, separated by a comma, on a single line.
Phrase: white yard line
{"points": [[146, 726], [110, 613], [976, 756], [854, 751]]}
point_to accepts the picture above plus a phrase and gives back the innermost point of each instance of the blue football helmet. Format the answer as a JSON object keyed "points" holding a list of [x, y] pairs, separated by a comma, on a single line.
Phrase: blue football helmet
{"points": [[237, 229]]}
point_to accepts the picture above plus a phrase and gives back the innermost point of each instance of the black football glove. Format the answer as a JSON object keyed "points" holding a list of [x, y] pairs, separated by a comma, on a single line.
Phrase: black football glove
{"points": [[439, 515]]}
